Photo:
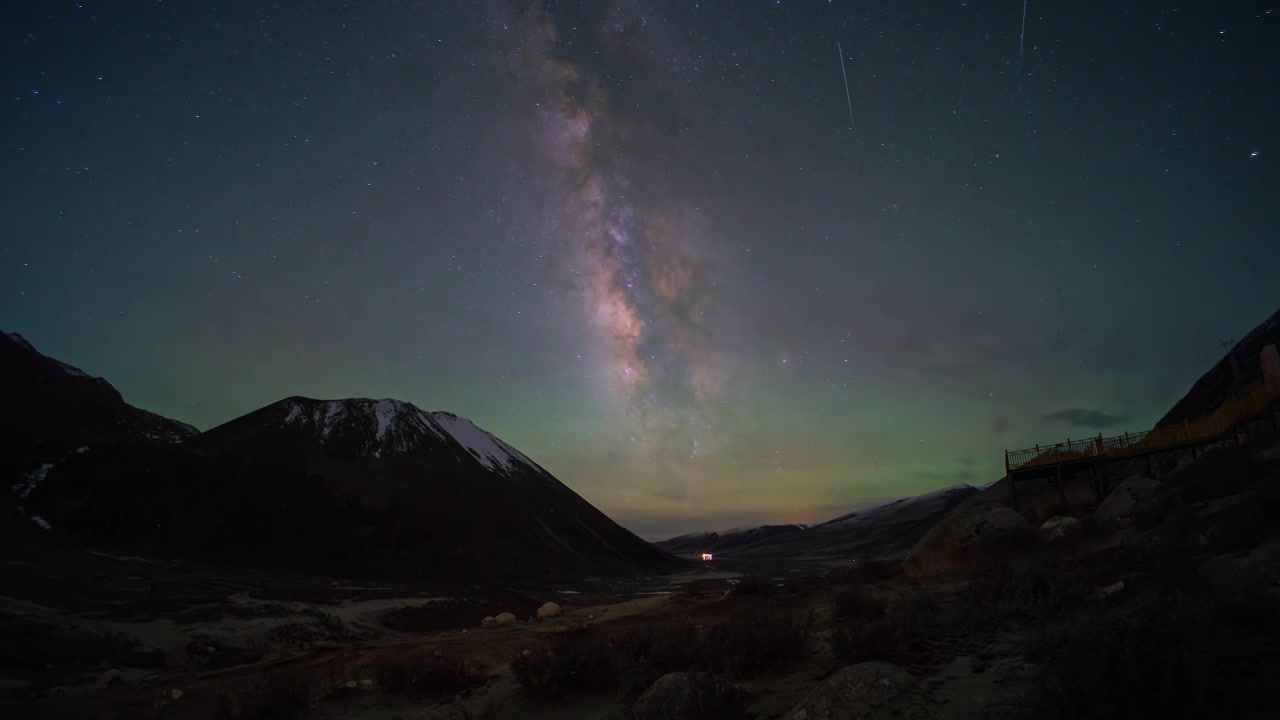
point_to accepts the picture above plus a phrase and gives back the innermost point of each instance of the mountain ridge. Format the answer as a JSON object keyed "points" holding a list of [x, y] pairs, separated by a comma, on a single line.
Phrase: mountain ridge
{"points": [[353, 487], [885, 527]]}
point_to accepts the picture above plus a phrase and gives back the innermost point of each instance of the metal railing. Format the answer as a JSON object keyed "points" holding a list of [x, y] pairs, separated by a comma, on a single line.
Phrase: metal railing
{"points": [[1215, 425]]}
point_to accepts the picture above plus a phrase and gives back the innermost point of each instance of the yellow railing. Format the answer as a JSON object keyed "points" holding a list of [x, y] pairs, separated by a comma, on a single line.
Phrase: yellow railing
{"points": [[1232, 413]]}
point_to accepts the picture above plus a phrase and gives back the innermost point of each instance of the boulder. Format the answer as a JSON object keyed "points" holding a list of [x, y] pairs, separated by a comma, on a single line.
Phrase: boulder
{"points": [[1105, 591], [142, 656], [491, 620], [955, 543], [505, 619], [1258, 567], [549, 610], [854, 692], [691, 696], [1056, 528], [1125, 498], [1075, 495], [110, 677]]}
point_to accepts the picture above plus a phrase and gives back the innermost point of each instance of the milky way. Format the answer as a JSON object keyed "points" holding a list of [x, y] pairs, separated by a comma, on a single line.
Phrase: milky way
{"points": [[635, 254], [638, 239]]}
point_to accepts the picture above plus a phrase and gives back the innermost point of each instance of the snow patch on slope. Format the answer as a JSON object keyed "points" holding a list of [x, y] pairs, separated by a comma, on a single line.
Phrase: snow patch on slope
{"points": [[925, 503], [74, 371], [489, 450], [22, 342], [34, 480], [385, 411], [391, 426]]}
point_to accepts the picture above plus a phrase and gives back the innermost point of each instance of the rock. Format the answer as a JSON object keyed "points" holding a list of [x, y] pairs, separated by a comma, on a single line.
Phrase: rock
{"points": [[505, 619], [142, 656], [1105, 591], [853, 692], [1057, 527], [1075, 495], [1258, 567], [549, 610], [954, 544], [110, 677], [692, 696], [491, 620], [1125, 498]]}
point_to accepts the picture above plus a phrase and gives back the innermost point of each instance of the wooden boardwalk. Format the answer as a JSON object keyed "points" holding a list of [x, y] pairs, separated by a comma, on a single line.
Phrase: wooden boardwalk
{"points": [[1222, 424]]}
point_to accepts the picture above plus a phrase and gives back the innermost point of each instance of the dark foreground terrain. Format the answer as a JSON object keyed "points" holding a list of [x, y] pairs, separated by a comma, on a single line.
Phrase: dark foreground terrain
{"points": [[1158, 601]]}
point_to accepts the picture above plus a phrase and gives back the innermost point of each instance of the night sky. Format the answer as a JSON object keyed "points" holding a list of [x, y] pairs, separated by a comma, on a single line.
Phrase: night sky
{"points": [[644, 241]]}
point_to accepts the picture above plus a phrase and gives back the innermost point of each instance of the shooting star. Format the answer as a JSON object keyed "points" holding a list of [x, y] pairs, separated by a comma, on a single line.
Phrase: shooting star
{"points": [[1023, 36], [845, 75]]}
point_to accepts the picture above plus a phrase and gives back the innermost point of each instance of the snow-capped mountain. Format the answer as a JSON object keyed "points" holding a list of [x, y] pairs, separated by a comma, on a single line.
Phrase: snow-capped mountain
{"points": [[377, 428], [726, 540], [356, 487], [903, 508], [883, 528]]}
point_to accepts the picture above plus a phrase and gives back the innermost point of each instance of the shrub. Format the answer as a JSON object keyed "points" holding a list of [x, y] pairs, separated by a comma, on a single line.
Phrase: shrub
{"points": [[277, 697], [1020, 592], [753, 586], [869, 640], [1203, 654], [424, 675], [644, 655], [752, 643], [903, 635], [853, 601], [634, 659], [879, 570], [576, 659]]}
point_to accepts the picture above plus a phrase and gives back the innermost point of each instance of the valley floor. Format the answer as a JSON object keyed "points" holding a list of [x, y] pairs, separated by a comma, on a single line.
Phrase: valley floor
{"points": [[1168, 611]]}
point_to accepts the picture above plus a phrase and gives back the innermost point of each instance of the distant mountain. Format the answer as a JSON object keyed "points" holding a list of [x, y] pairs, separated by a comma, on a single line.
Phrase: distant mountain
{"points": [[725, 540], [52, 409], [884, 529], [368, 488]]}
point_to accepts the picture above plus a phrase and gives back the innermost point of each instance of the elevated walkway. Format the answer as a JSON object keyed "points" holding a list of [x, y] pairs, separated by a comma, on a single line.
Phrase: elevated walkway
{"points": [[1222, 424]]}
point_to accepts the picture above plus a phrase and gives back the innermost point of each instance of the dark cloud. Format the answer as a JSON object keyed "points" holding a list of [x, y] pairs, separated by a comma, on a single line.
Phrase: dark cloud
{"points": [[1079, 417]]}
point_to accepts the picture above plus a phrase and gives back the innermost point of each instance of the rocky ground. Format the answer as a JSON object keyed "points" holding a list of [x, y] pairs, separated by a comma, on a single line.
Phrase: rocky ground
{"points": [[1158, 601]]}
